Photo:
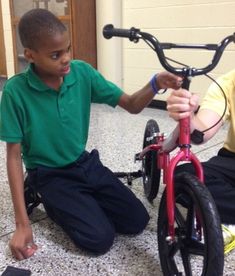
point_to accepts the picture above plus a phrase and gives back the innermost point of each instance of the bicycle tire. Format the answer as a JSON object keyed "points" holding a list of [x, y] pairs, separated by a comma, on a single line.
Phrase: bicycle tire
{"points": [[151, 174], [182, 256]]}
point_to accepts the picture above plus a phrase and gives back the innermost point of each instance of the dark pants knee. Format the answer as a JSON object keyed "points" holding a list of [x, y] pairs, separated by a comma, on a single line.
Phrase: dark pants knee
{"points": [[98, 242], [95, 239], [139, 221]]}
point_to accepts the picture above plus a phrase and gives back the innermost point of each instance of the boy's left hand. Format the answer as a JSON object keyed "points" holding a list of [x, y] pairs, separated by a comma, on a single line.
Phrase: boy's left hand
{"points": [[168, 80]]}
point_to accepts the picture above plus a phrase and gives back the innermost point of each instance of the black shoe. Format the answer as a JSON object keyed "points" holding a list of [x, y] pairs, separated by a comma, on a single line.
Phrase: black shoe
{"points": [[32, 198]]}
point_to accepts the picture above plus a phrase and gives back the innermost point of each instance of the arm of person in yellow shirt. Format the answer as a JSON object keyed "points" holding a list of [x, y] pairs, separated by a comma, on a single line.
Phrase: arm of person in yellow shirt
{"points": [[182, 103]]}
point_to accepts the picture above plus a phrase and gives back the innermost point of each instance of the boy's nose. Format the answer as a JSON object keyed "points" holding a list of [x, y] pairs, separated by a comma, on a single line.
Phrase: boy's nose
{"points": [[66, 58]]}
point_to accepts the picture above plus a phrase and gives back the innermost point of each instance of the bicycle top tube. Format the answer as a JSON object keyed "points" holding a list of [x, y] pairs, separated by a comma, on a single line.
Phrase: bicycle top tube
{"points": [[135, 34]]}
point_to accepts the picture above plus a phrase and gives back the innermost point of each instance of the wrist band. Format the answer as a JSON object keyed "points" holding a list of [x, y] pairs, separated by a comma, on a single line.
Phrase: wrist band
{"points": [[153, 84]]}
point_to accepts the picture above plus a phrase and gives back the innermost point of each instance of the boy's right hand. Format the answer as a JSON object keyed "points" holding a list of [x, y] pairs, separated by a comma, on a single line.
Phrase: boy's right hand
{"points": [[181, 104], [21, 244]]}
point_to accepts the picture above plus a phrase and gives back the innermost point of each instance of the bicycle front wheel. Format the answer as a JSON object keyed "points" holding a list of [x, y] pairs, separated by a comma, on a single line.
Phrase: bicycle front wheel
{"points": [[194, 251]]}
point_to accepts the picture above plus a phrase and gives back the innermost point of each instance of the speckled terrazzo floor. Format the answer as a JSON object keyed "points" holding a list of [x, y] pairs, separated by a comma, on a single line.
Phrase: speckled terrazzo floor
{"points": [[118, 136]]}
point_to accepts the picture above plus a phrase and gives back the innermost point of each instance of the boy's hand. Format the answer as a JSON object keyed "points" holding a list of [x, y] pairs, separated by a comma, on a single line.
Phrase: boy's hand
{"points": [[22, 245], [181, 104], [168, 80]]}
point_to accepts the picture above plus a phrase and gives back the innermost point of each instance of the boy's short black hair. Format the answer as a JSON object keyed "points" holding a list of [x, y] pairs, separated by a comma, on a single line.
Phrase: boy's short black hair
{"points": [[36, 25]]}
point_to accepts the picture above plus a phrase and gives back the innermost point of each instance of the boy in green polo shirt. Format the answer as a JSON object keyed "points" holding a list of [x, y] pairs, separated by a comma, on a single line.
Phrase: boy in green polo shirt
{"points": [[45, 114]]}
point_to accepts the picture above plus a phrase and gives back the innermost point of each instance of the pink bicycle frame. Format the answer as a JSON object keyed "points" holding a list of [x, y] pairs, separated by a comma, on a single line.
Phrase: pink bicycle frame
{"points": [[184, 154], [168, 164]]}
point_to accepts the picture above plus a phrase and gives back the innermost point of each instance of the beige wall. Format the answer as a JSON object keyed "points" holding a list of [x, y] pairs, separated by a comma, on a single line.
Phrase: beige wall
{"points": [[109, 52], [182, 21], [189, 21]]}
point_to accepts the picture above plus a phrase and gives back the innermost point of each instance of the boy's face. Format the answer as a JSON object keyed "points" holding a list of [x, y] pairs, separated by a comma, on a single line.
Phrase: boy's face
{"points": [[52, 58]]}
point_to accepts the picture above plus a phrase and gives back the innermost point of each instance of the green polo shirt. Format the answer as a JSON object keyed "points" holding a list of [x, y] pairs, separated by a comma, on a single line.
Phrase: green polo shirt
{"points": [[52, 126]]}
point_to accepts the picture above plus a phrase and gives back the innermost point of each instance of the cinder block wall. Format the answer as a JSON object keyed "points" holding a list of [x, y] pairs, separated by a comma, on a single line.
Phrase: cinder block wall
{"points": [[179, 21]]}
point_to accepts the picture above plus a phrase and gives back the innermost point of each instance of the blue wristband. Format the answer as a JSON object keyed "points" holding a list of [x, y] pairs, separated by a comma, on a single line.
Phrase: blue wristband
{"points": [[153, 84]]}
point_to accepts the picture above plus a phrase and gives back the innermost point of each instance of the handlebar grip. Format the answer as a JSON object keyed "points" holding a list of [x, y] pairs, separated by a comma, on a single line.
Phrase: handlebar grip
{"points": [[109, 31]]}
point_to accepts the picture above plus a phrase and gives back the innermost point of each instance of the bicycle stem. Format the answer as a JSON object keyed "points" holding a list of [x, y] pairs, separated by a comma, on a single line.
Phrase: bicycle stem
{"points": [[184, 124]]}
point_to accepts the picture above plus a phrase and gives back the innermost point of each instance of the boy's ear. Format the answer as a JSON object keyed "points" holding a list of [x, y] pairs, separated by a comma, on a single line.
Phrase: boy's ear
{"points": [[28, 54]]}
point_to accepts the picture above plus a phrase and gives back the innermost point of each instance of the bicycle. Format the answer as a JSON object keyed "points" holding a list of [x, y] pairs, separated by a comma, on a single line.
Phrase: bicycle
{"points": [[188, 221]]}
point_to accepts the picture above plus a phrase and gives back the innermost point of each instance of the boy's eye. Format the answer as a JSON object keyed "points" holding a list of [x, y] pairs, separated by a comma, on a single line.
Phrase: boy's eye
{"points": [[55, 55]]}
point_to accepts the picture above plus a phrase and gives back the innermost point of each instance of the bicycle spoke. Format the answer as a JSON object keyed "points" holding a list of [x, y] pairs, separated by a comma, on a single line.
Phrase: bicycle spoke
{"points": [[186, 232], [196, 248], [190, 220], [172, 250], [180, 220], [186, 261]]}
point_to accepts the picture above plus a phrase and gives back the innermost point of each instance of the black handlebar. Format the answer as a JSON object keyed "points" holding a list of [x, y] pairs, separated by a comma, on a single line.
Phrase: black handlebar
{"points": [[109, 31], [135, 34]]}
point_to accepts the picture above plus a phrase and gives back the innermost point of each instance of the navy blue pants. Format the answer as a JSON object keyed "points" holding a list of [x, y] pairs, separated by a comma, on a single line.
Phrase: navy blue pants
{"points": [[89, 202], [219, 174]]}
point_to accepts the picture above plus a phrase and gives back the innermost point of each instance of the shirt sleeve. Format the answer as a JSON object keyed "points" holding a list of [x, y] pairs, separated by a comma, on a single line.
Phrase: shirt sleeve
{"points": [[104, 91], [216, 98], [10, 129]]}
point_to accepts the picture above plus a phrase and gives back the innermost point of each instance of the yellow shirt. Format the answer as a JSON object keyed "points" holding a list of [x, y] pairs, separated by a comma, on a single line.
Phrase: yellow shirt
{"points": [[215, 101]]}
